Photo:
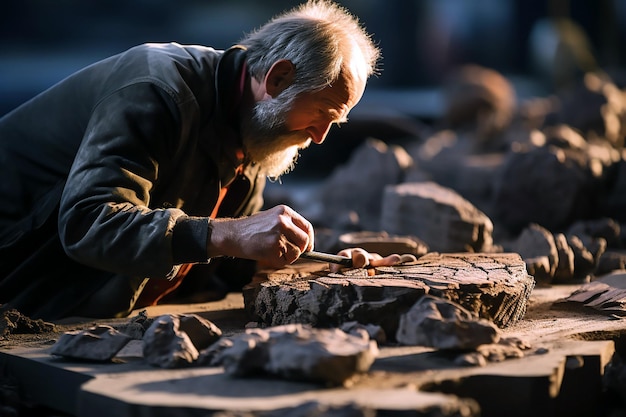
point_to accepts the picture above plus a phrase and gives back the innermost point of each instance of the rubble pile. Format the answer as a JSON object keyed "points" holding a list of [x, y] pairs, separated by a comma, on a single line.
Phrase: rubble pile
{"points": [[487, 175], [14, 322]]}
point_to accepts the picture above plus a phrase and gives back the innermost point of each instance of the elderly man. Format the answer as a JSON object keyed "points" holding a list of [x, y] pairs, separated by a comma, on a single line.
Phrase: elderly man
{"points": [[142, 168]]}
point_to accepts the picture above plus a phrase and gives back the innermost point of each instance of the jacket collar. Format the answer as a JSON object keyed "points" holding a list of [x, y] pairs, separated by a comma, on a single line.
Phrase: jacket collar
{"points": [[230, 78], [230, 81]]}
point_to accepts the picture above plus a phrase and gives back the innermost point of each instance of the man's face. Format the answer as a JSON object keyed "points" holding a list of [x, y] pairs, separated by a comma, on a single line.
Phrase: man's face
{"points": [[279, 127]]}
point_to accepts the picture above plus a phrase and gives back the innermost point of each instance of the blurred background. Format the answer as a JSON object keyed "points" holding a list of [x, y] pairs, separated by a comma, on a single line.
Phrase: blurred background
{"points": [[539, 45]]}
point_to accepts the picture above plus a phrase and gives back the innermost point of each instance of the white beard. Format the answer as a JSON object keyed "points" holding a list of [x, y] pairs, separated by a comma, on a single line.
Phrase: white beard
{"points": [[267, 141]]}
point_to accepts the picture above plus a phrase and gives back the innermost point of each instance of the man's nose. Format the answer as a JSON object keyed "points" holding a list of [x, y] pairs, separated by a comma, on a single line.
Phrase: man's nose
{"points": [[319, 132]]}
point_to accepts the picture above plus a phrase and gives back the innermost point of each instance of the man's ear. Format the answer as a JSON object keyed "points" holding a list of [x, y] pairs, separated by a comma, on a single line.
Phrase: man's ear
{"points": [[279, 77]]}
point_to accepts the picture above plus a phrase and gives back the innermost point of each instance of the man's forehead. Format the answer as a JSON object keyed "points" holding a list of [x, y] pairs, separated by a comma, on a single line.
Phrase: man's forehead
{"points": [[345, 91]]}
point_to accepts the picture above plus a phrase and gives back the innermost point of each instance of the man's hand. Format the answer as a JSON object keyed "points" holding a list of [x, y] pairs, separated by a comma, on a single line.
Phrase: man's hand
{"points": [[276, 236], [362, 259]]}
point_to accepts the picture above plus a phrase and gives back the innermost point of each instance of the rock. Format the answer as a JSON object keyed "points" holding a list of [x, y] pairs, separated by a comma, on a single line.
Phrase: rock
{"points": [[373, 331], [371, 167], [450, 161], [564, 271], [481, 100], [558, 258], [494, 286], [584, 261], [545, 185], [136, 326], [439, 216], [606, 294], [606, 228], [611, 261], [596, 107], [174, 340], [470, 359], [498, 352], [442, 324], [535, 242], [382, 243], [332, 300], [297, 352], [539, 267], [613, 203], [98, 343]]}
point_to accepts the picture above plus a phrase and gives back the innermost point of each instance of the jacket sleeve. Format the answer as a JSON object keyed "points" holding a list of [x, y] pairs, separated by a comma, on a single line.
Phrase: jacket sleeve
{"points": [[105, 220]]}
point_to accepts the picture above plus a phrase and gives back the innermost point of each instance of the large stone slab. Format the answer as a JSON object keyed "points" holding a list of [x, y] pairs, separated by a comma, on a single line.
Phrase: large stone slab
{"points": [[492, 286], [130, 387], [403, 381]]}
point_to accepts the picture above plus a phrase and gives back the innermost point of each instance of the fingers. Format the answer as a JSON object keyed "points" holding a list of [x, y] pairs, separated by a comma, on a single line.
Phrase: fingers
{"points": [[304, 225], [298, 231], [289, 236]]}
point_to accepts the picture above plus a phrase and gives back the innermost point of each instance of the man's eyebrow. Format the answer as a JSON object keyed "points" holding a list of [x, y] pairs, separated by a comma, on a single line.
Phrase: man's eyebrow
{"points": [[336, 115]]}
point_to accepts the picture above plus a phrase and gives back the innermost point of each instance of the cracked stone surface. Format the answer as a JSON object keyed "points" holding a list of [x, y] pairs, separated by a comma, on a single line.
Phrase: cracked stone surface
{"points": [[495, 287]]}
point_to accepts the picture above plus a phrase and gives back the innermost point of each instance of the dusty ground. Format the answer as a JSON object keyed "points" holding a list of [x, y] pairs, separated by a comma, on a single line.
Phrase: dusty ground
{"points": [[546, 320]]}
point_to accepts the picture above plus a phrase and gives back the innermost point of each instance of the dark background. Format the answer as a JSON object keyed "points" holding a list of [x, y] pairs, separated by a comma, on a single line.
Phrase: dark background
{"points": [[43, 41]]}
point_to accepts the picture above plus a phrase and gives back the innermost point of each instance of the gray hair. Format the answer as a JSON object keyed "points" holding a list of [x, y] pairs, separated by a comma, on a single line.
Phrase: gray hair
{"points": [[319, 37]]}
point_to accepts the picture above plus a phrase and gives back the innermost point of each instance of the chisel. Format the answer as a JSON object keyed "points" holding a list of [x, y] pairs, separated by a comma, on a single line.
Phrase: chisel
{"points": [[327, 257]]}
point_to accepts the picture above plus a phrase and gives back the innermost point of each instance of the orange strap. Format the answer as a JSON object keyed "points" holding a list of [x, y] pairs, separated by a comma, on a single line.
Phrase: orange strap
{"points": [[220, 198], [156, 289]]}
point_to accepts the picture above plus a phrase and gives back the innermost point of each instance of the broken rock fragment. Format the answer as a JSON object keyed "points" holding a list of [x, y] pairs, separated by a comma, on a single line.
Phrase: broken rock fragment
{"points": [[98, 343], [174, 340], [373, 331], [536, 241], [442, 324], [297, 352]]}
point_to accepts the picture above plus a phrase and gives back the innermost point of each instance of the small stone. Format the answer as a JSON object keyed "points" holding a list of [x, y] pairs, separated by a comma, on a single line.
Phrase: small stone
{"points": [[442, 324], [470, 359], [373, 331], [174, 340], [296, 352], [98, 343]]}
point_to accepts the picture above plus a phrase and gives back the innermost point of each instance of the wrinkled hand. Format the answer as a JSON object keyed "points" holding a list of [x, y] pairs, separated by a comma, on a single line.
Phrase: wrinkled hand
{"points": [[362, 259], [276, 236]]}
